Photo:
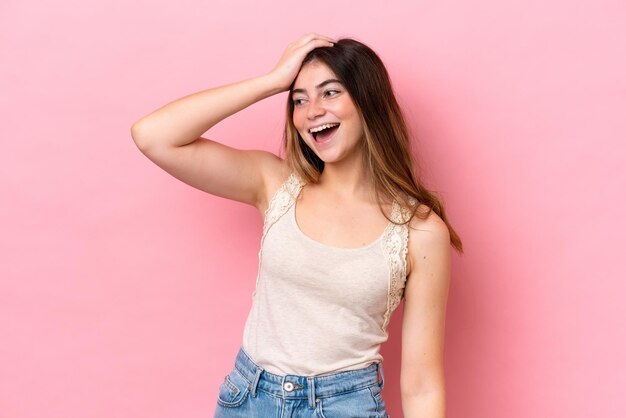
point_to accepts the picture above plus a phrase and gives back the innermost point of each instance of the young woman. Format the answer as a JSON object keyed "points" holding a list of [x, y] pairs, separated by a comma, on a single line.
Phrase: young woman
{"points": [[348, 231]]}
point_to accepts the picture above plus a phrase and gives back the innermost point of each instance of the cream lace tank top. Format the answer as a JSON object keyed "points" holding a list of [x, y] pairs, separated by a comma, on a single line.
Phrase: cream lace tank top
{"points": [[318, 309]]}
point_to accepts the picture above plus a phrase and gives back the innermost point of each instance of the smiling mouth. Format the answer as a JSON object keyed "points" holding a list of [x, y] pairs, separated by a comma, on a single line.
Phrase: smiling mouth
{"points": [[323, 132]]}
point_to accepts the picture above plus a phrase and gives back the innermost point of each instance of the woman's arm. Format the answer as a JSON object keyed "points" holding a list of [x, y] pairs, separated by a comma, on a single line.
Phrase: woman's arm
{"points": [[170, 136], [422, 379]]}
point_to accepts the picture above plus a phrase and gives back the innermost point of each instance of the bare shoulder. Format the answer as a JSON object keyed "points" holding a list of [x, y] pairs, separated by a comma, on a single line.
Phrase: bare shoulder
{"points": [[429, 239]]}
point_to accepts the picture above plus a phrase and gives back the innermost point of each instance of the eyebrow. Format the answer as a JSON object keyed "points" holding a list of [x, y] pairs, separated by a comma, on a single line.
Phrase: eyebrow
{"points": [[319, 86]]}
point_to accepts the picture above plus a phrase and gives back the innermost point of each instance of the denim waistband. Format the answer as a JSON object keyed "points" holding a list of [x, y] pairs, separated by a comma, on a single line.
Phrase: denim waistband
{"points": [[303, 387]]}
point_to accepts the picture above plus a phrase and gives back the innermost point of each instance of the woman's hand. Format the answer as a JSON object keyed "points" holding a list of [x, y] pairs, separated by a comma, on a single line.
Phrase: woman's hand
{"points": [[289, 64]]}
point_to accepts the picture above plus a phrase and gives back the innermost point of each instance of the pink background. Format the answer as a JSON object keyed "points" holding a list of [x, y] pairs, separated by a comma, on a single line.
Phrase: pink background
{"points": [[124, 291]]}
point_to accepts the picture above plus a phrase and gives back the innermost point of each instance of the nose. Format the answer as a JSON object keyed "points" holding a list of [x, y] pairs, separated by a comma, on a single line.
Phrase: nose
{"points": [[314, 109]]}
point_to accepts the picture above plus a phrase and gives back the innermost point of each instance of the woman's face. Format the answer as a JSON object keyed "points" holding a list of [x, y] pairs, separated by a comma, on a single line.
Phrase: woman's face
{"points": [[324, 114]]}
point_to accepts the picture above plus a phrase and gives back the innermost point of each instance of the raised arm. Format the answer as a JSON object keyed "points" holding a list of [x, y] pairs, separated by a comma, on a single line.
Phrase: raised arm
{"points": [[171, 135]]}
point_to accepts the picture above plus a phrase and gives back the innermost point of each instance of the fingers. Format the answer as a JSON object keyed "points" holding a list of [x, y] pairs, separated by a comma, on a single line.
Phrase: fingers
{"points": [[311, 41], [317, 43], [313, 37]]}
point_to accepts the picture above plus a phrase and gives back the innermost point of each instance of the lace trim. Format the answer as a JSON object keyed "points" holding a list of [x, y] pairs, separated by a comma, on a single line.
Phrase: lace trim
{"points": [[395, 246], [279, 204], [282, 200]]}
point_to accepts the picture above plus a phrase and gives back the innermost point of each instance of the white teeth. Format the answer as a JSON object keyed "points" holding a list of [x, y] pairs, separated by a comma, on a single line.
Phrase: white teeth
{"points": [[321, 128]]}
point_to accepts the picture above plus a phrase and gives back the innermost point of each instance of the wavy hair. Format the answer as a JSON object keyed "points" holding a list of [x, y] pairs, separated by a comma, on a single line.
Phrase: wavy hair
{"points": [[386, 145]]}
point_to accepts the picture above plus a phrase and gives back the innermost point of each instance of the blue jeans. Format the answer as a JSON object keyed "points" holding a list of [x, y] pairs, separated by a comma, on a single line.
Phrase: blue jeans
{"points": [[250, 391]]}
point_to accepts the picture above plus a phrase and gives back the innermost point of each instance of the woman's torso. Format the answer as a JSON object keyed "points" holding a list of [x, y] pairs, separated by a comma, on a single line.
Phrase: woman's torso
{"points": [[322, 307]]}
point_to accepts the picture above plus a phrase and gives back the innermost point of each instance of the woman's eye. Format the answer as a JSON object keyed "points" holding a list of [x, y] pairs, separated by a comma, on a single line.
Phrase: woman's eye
{"points": [[332, 92], [298, 102]]}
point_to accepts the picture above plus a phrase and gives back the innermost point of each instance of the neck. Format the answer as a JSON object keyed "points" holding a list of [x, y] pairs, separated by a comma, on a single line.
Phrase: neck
{"points": [[348, 179]]}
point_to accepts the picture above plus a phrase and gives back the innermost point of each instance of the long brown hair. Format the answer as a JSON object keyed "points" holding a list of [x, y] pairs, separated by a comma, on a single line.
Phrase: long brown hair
{"points": [[386, 143]]}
